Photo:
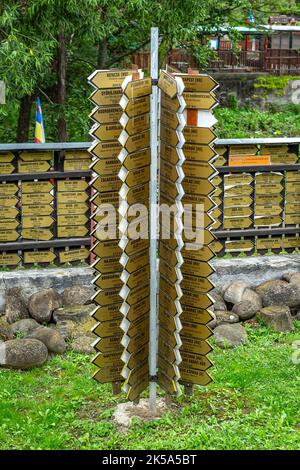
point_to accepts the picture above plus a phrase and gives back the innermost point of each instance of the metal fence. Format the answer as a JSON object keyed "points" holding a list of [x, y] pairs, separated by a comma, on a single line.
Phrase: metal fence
{"points": [[44, 204]]}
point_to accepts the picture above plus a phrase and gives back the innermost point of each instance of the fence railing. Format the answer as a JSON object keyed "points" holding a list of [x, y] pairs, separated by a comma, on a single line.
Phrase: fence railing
{"points": [[44, 204], [45, 210]]}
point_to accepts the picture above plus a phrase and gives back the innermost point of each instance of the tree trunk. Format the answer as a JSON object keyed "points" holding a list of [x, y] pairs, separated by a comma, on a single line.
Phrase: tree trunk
{"points": [[24, 118], [61, 86], [102, 49]]}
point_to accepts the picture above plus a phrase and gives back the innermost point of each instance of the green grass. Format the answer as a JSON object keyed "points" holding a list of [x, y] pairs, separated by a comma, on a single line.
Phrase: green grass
{"points": [[253, 403]]}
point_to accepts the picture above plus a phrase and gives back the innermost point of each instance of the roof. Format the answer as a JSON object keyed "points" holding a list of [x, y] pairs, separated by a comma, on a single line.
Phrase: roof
{"points": [[254, 30]]}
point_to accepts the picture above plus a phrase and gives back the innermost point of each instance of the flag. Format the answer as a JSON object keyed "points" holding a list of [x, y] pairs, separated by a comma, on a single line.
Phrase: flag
{"points": [[39, 131]]}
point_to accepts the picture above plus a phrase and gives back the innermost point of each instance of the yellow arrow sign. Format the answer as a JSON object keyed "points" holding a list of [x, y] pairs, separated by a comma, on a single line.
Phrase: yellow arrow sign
{"points": [[169, 119], [107, 265], [243, 150], [137, 261], [106, 166], [171, 137], [107, 328], [106, 114], [238, 190], [137, 159], [169, 154], [268, 221], [72, 219], [72, 208], [109, 312], [195, 345], [138, 176], [199, 135], [172, 104], [9, 259], [72, 185], [197, 199], [106, 183], [108, 359], [110, 344], [237, 201], [76, 165], [196, 299], [109, 78], [198, 153], [268, 210], [8, 189], [109, 374], [237, 211], [237, 223], [77, 155], [9, 224], [137, 294], [108, 280], [203, 254], [196, 268], [108, 131], [195, 361], [137, 106], [36, 187], [168, 84], [135, 142], [138, 88], [72, 231], [199, 100], [107, 248], [137, 278], [240, 245], [78, 254], [196, 315], [37, 221], [8, 201], [137, 194], [288, 159], [106, 149], [138, 309], [37, 198], [72, 196], [106, 97], [198, 82], [6, 157], [33, 167], [265, 178], [8, 212], [37, 234], [241, 179], [198, 169], [42, 256], [8, 235], [137, 124], [6, 168], [135, 391], [275, 188], [197, 186], [196, 283], [35, 156], [194, 376]]}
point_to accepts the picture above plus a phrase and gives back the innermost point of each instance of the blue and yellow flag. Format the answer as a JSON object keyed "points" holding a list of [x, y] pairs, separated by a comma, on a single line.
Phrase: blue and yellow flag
{"points": [[39, 131]]}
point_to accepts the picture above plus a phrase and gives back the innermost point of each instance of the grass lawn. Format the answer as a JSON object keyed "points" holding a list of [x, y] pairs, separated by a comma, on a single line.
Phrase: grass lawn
{"points": [[253, 403]]}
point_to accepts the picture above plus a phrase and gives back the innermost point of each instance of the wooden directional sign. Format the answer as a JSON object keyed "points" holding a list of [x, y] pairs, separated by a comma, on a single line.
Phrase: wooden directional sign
{"points": [[37, 234], [199, 100], [8, 212], [106, 166], [196, 283], [203, 254], [8, 189], [275, 188], [37, 221], [196, 299], [198, 153], [106, 248], [28, 156], [198, 169], [107, 328], [9, 224], [110, 344], [76, 165], [109, 78], [137, 88], [29, 187], [196, 268], [268, 221], [8, 235], [9, 259], [8, 201], [194, 376], [72, 231], [72, 185], [138, 176], [207, 203], [36, 198], [106, 97], [239, 245], [196, 315], [108, 280], [243, 149], [105, 184], [109, 131], [195, 361], [237, 201], [133, 143], [268, 210], [41, 256], [237, 223], [6, 157], [107, 297], [137, 159], [137, 294], [274, 149], [138, 277], [195, 345], [237, 211], [77, 155], [173, 104], [197, 186], [198, 83], [199, 135], [107, 265], [33, 167], [72, 208], [77, 254], [108, 374], [137, 106], [6, 168], [106, 114], [108, 359], [168, 84], [135, 124], [72, 197], [106, 149], [108, 313], [72, 219]]}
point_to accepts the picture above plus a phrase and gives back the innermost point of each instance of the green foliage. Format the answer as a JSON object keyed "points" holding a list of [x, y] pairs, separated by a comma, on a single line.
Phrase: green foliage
{"points": [[252, 404]]}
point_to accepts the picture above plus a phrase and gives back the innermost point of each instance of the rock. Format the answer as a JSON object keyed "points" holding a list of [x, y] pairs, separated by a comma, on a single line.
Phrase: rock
{"points": [[77, 295], [297, 316], [219, 303], [23, 353], [230, 336], [83, 345], [245, 309], [25, 326], [43, 303], [2, 302], [265, 286], [287, 276], [225, 317], [234, 293], [253, 323], [73, 312], [253, 297], [73, 329], [213, 323], [277, 317], [52, 339], [5, 330], [295, 279], [281, 293], [15, 308]]}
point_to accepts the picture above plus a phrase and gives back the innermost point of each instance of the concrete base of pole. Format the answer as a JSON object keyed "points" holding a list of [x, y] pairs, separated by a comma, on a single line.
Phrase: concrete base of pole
{"points": [[125, 412]]}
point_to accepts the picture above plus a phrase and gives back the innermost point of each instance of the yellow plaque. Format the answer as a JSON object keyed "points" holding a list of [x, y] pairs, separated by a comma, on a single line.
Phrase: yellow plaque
{"points": [[110, 131], [137, 124], [237, 201], [274, 149], [8, 201], [137, 88], [138, 176], [9, 259], [198, 82], [199, 135], [172, 104], [8, 212], [203, 254], [29, 187], [197, 186], [292, 219], [8, 224], [287, 159], [106, 97], [72, 231], [41, 256], [237, 211], [109, 78], [6, 168], [106, 166], [196, 299], [39, 209], [109, 312], [291, 242], [195, 361], [198, 153], [291, 208], [72, 208], [77, 165], [8, 235], [268, 199], [72, 197], [106, 149], [195, 345], [238, 190], [6, 157], [289, 176], [138, 194], [78, 254], [292, 186], [109, 280], [108, 359], [237, 223], [197, 283], [268, 243], [37, 221], [111, 343], [275, 188], [37, 198], [8, 189], [267, 221], [72, 219], [198, 169], [237, 179], [169, 119], [167, 84], [267, 210], [105, 114], [37, 234], [107, 328], [194, 376], [199, 100], [109, 374], [197, 199], [137, 159], [107, 248], [72, 185], [137, 106], [268, 178], [238, 245], [28, 156], [33, 167], [106, 183], [220, 161], [137, 142], [243, 149], [77, 155]]}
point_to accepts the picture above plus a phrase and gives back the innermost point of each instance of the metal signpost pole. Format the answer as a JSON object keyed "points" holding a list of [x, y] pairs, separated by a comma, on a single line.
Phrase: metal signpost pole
{"points": [[153, 222]]}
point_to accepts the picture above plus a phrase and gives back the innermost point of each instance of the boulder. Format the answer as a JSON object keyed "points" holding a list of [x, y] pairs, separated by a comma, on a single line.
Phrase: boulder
{"points": [[224, 316], [43, 303], [25, 326], [52, 339], [245, 309], [287, 276], [83, 345], [2, 302], [295, 279], [230, 336], [5, 330], [265, 286], [23, 353], [281, 293], [77, 295], [277, 317], [219, 303], [253, 297], [15, 308], [234, 293], [73, 312]]}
